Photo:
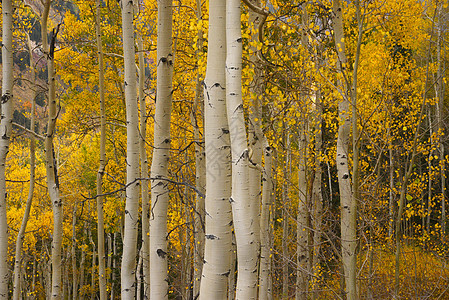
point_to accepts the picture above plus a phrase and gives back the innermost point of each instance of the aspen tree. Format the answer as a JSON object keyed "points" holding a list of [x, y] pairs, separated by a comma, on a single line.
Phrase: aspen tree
{"points": [[256, 140], [200, 170], [218, 218], [159, 166], [439, 92], [26, 214], [265, 291], [145, 250], [302, 233], [302, 220], [6, 111], [74, 264], [317, 196], [349, 194], [102, 163], [128, 280], [255, 134], [285, 213], [50, 160], [243, 216]]}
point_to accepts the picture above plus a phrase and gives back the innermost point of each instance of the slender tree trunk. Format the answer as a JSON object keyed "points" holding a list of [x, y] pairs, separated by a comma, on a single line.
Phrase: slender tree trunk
{"points": [[429, 165], [243, 214], [216, 268], [26, 214], [159, 166], [391, 203], [139, 277], [6, 111], [274, 178], [302, 221], [265, 248], [128, 279], [145, 250], [74, 267], [46, 270], [317, 197], [102, 164], [285, 227], [82, 262], [50, 160], [114, 265], [185, 239], [439, 91], [302, 252], [200, 172], [66, 280], [110, 257], [348, 196], [255, 134], [93, 264]]}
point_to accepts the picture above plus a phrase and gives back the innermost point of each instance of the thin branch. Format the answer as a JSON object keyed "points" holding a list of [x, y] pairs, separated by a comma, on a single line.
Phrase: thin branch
{"points": [[29, 131]]}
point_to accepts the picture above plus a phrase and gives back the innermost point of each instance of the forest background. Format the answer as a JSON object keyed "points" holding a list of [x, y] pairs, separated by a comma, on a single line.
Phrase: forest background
{"points": [[335, 132]]}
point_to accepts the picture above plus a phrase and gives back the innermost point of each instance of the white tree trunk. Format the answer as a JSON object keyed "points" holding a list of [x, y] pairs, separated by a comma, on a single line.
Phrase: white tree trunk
{"points": [[200, 171], [102, 164], [243, 215], [265, 250], [216, 266], [128, 279], [285, 214], [6, 109], [26, 214], [302, 226], [114, 264], [159, 166], [302, 221], [50, 160], [347, 201], [145, 250], [255, 134], [317, 197]]}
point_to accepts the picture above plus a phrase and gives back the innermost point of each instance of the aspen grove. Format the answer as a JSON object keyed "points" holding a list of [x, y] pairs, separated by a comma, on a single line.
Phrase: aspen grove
{"points": [[224, 149]]}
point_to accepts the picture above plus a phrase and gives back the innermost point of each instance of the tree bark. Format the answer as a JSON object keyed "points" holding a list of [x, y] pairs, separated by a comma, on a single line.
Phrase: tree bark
{"points": [[285, 227], [348, 195], [102, 163], [50, 159], [255, 134], [242, 207], [26, 214], [6, 111], [128, 279], [317, 197], [74, 266], [265, 291], [302, 234], [145, 250], [159, 166], [200, 171], [439, 92], [216, 268]]}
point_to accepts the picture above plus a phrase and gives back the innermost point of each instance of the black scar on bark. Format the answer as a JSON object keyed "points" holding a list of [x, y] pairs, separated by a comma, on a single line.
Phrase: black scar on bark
{"points": [[161, 253], [211, 237]]}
